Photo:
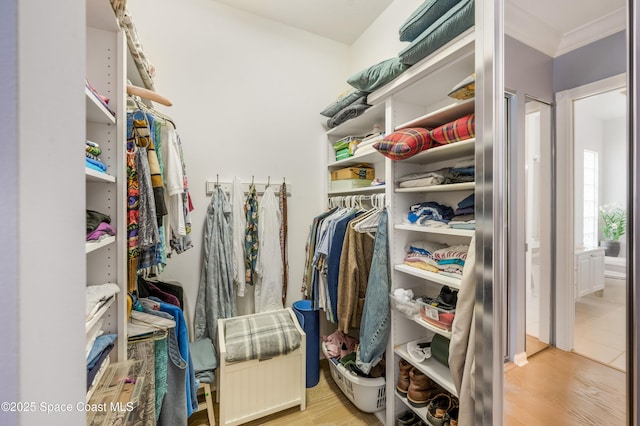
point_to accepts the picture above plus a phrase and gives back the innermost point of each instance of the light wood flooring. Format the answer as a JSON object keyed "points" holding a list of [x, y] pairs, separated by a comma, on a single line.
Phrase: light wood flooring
{"points": [[563, 388], [326, 405], [554, 388]]}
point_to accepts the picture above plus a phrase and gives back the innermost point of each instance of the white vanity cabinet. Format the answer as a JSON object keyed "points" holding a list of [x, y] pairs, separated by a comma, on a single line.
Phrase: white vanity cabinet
{"points": [[589, 271]]}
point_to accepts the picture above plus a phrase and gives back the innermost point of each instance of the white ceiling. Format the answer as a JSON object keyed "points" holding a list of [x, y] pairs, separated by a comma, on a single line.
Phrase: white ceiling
{"points": [[552, 26], [340, 20]]}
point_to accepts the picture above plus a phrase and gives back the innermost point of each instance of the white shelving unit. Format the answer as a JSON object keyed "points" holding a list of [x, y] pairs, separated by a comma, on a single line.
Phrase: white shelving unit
{"points": [[429, 276], [465, 186], [418, 98], [105, 192], [468, 233], [438, 372], [93, 246]]}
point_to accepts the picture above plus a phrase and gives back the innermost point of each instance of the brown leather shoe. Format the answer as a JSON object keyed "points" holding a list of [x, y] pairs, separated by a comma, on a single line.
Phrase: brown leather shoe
{"points": [[421, 389], [403, 377]]}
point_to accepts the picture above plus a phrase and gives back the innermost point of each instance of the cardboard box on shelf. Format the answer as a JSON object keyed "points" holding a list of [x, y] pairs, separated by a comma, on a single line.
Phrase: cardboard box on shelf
{"points": [[359, 171]]}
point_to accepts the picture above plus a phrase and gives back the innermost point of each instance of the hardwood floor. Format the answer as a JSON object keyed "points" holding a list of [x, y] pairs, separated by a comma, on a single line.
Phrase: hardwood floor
{"points": [[326, 405], [533, 346], [563, 388], [554, 388]]}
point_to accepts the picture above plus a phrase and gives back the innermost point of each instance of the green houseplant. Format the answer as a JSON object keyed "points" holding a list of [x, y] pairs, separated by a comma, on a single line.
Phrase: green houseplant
{"points": [[614, 222]]}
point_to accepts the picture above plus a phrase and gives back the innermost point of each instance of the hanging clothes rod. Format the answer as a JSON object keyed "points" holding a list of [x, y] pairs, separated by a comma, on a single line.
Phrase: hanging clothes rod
{"points": [[352, 200], [260, 186]]}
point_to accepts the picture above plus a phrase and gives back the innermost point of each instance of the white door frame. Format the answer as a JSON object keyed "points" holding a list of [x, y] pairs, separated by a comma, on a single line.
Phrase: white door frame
{"points": [[565, 172]]}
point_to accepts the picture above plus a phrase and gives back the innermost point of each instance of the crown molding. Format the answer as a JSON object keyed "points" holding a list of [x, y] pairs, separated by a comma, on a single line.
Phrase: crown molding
{"points": [[530, 30], [604, 26], [536, 33]]}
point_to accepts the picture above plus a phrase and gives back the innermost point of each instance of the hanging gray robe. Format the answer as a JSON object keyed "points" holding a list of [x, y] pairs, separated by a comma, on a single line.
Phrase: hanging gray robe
{"points": [[216, 293], [462, 346]]}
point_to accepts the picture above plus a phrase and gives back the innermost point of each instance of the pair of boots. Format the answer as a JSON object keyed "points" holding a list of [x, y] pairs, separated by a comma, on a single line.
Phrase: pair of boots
{"points": [[415, 385]]}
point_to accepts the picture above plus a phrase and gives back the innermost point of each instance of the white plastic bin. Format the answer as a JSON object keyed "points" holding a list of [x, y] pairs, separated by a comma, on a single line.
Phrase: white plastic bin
{"points": [[368, 394]]}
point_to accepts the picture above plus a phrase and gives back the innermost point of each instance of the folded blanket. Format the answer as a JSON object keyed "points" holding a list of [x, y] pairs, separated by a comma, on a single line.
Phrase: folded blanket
{"points": [[260, 336]]}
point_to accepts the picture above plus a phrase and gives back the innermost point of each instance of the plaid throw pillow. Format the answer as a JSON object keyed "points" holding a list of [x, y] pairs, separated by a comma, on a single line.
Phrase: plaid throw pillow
{"points": [[404, 143], [459, 130]]}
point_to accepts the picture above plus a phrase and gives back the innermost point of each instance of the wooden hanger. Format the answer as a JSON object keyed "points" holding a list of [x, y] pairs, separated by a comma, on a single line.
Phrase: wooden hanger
{"points": [[148, 94]]}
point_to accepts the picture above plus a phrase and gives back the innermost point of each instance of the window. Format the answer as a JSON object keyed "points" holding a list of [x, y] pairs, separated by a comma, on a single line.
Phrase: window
{"points": [[590, 199]]}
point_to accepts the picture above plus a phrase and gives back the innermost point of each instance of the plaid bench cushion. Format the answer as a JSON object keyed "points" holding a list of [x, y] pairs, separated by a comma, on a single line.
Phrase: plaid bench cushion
{"points": [[260, 336]]}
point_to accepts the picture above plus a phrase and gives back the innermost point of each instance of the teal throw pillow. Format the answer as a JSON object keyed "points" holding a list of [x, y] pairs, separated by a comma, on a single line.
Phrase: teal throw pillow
{"points": [[377, 75], [423, 17], [344, 100]]}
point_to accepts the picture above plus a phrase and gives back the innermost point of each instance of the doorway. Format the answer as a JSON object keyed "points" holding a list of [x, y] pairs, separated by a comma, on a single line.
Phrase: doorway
{"points": [[583, 190], [538, 244], [600, 192]]}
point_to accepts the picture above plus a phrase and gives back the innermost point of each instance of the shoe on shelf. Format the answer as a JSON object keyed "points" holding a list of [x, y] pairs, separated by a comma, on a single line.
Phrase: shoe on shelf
{"points": [[421, 389], [407, 418], [453, 417], [403, 377], [438, 408]]}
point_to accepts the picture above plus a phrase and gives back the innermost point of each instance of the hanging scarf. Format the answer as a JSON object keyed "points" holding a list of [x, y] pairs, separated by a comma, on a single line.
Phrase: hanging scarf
{"points": [[143, 133], [282, 197], [133, 203], [251, 234]]}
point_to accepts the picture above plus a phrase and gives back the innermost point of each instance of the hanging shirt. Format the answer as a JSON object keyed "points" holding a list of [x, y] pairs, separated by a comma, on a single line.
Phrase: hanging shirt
{"points": [[268, 289], [239, 225], [174, 183]]}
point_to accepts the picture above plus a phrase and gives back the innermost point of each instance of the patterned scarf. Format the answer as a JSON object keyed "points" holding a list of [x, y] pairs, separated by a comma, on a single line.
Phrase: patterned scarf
{"points": [[251, 234]]}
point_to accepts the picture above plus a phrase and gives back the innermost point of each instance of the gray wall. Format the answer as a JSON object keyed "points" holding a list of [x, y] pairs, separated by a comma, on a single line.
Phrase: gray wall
{"points": [[527, 70], [601, 59]]}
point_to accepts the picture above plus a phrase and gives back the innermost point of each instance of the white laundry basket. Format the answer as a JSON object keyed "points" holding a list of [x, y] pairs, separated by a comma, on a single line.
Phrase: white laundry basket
{"points": [[368, 394]]}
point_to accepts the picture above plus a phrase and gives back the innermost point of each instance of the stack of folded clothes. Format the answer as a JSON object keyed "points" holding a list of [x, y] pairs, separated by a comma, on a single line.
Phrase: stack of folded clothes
{"points": [[98, 226], [419, 254], [464, 215], [430, 213], [98, 355], [99, 345], [429, 178], [450, 260], [435, 257], [92, 157], [463, 171], [460, 173]]}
